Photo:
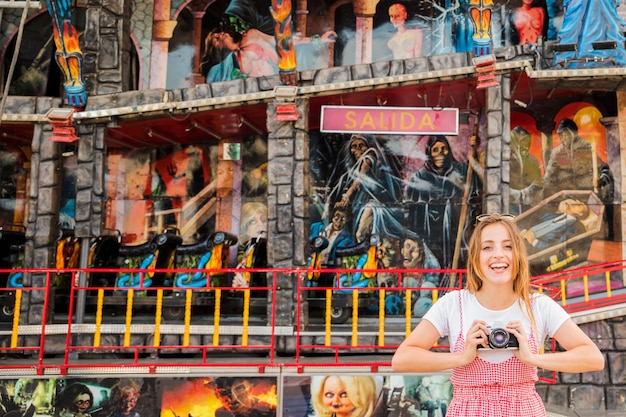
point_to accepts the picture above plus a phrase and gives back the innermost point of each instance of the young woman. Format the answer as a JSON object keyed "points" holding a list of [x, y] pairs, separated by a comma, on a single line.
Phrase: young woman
{"points": [[496, 381]]}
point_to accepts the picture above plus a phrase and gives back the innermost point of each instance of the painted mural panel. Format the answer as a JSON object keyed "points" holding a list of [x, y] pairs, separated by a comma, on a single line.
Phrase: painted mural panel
{"points": [[418, 194], [366, 395], [27, 396], [79, 397], [237, 39], [222, 396], [229, 395], [563, 188], [242, 43]]}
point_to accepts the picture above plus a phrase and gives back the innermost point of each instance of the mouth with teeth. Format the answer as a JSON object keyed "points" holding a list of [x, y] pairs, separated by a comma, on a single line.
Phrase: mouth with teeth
{"points": [[499, 266]]}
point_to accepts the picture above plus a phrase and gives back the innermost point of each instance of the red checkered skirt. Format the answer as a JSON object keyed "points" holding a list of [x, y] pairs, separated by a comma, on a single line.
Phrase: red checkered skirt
{"points": [[485, 389]]}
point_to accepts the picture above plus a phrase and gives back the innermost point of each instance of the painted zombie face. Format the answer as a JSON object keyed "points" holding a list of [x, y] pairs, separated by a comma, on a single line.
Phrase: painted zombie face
{"points": [[411, 254], [358, 147], [524, 145], [235, 398], [386, 253], [566, 136], [129, 401], [339, 220], [82, 402], [520, 141], [438, 153]]}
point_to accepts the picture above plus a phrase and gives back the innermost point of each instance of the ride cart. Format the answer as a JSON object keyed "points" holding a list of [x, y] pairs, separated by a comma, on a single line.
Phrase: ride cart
{"points": [[155, 258], [11, 257], [361, 257], [199, 259]]}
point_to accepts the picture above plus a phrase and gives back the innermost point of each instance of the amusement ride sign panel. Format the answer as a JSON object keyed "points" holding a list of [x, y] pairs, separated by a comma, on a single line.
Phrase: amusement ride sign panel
{"points": [[390, 120]]}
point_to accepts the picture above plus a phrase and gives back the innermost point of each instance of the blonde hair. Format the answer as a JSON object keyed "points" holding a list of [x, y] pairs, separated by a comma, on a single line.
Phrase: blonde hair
{"points": [[248, 211], [520, 268], [361, 391]]}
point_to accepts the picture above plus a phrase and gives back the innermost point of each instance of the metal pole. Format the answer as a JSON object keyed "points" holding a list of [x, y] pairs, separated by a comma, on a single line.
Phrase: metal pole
{"points": [[81, 297]]}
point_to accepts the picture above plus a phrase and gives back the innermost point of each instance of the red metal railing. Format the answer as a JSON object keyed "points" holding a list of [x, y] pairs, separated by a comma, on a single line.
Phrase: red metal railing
{"points": [[589, 287], [141, 324], [373, 325]]}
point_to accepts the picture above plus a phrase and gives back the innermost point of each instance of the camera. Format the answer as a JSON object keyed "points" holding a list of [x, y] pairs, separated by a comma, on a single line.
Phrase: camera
{"points": [[500, 338]]}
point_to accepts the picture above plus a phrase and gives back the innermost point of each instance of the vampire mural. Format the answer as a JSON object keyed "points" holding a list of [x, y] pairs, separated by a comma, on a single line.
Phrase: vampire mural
{"points": [[244, 45]]}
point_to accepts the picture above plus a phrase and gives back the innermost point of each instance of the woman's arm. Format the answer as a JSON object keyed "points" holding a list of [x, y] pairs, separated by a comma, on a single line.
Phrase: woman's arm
{"points": [[580, 355], [414, 354]]}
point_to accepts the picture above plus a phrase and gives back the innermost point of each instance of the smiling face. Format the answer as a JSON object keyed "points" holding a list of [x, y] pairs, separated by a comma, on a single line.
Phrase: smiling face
{"points": [[496, 255], [336, 397]]}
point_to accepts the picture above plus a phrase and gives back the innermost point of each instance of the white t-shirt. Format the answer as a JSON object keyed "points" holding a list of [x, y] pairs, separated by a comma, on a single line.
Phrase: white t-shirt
{"points": [[445, 316]]}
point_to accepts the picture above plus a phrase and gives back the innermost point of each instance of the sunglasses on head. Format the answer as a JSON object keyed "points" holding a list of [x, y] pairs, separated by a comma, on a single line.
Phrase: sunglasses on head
{"points": [[497, 216]]}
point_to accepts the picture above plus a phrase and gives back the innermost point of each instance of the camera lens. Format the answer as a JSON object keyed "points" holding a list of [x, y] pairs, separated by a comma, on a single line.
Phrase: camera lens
{"points": [[498, 338]]}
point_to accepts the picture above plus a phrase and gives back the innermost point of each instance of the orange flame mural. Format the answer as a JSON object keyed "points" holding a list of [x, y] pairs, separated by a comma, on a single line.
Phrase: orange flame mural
{"points": [[281, 12], [68, 54]]}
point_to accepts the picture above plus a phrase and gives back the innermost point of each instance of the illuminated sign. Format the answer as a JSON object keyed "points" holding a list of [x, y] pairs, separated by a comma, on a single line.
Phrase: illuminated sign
{"points": [[394, 120]]}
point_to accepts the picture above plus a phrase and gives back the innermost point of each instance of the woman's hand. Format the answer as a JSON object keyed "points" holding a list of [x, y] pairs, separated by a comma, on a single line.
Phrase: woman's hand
{"points": [[476, 336], [524, 353]]}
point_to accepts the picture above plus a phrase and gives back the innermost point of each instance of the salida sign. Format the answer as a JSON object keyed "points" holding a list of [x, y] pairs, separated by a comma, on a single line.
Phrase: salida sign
{"points": [[390, 120]]}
